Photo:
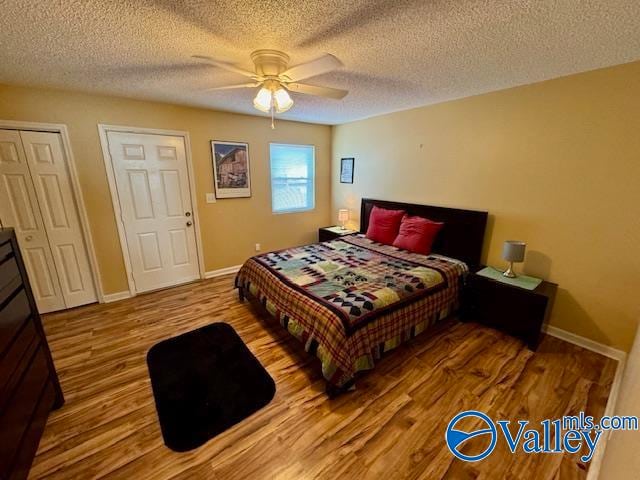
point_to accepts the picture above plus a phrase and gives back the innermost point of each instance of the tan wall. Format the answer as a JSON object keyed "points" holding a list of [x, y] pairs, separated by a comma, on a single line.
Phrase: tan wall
{"points": [[231, 227], [556, 164]]}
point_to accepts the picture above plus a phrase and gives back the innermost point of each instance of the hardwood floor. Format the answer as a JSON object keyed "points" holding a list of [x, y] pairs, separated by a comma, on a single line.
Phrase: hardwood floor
{"points": [[392, 426]]}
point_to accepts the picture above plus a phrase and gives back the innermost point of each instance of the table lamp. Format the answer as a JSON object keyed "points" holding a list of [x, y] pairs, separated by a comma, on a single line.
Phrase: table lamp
{"points": [[513, 251], [343, 216]]}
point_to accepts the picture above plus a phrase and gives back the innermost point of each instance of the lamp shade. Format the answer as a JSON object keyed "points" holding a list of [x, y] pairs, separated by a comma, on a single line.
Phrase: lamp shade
{"points": [[513, 250], [343, 215]]}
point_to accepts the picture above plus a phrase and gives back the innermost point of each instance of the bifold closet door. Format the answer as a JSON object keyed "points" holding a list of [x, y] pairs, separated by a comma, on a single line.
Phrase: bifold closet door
{"points": [[37, 200], [19, 209], [48, 166]]}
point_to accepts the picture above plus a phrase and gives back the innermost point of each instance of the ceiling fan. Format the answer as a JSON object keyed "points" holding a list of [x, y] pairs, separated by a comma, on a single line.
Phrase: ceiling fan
{"points": [[276, 79]]}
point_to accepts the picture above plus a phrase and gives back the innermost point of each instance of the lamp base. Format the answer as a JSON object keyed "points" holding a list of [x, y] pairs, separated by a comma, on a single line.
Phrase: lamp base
{"points": [[509, 273]]}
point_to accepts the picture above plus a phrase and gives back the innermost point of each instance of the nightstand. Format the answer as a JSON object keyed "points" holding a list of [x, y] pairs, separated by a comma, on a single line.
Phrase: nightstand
{"points": [[513, 310], [330, 233]]}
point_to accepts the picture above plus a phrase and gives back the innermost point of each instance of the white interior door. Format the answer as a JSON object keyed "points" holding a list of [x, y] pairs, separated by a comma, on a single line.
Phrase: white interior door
{"points": [[48, 166], [19, 209], [153, 190]]}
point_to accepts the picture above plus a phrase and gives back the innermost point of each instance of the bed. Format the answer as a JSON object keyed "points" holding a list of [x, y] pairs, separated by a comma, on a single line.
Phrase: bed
{"points": [[350, 300]]}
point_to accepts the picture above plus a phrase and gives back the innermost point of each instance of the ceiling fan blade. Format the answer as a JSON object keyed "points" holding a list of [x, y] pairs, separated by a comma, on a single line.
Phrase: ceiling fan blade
{"points": [[328, 92], [231, 87], [321, 65], [226, 66]]}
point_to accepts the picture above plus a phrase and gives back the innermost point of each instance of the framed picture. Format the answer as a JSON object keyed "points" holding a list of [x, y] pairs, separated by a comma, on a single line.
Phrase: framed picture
{"points": [[231, 172], [346, 170]]}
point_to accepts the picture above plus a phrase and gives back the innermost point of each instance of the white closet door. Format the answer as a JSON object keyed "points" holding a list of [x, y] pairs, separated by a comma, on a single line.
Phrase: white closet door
{"points": [[48, 166], [19, 209], [153, 190]]}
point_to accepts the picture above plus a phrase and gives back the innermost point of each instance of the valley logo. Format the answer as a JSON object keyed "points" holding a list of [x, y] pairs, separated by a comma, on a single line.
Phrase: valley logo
{"points": [[568, 434]]}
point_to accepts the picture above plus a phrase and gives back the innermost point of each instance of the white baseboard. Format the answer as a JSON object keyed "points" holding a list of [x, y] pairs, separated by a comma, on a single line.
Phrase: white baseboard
{"points": [[114, 297], [609, 410], [586, 343], [607, 351], [222, 271]]}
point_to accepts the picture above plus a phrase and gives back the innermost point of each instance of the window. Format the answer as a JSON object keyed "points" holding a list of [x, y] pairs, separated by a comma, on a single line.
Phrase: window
{"points": [[292, 177]]}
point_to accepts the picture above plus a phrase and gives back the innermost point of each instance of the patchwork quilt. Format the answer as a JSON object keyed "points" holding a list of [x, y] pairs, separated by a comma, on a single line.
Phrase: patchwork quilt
{"points": [[351, 299]]}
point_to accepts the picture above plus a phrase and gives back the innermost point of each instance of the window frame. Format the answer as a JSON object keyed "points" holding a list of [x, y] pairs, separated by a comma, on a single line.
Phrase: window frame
{"points": [[312, 181]]}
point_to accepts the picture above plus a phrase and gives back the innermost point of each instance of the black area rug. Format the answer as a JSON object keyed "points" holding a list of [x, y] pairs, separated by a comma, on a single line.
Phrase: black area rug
{"points": [[204, 382]]}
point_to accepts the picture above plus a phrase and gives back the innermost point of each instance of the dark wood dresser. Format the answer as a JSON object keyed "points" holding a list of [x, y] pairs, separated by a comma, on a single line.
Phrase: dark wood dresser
{"points": [[29, 386]]}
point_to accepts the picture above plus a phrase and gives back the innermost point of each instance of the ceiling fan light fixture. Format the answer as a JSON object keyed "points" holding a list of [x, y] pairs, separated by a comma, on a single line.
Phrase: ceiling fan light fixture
{"points": [[276, 79], [263, 100], [282, 100]]}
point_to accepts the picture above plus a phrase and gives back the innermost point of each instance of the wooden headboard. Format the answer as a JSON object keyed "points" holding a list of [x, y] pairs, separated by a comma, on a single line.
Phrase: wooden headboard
{"points": [[461, 236]]}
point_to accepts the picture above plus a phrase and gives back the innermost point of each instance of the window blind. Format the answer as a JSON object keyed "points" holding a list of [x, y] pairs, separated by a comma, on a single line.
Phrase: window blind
{"points": [[292, 177]]}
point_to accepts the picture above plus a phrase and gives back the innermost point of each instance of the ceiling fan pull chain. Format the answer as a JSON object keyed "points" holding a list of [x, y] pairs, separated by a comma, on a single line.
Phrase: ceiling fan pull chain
{"points": [[273, 127]]}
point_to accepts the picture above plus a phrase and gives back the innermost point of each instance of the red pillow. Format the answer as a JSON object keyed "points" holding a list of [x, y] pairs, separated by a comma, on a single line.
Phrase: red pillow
{"points": [[417, 234], [384, 225]]}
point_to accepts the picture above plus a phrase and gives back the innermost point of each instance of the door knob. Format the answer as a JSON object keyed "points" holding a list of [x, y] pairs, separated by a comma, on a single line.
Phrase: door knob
{"points": [[28, 238], [189, 224]]}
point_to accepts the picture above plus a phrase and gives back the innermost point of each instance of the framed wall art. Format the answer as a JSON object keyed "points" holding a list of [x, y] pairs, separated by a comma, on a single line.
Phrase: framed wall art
{"points": [[231, 172], [346, 170]]}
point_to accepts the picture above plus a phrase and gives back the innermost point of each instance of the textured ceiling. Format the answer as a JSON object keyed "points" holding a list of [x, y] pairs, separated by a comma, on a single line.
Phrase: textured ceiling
{"points": [[396, 54]]}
